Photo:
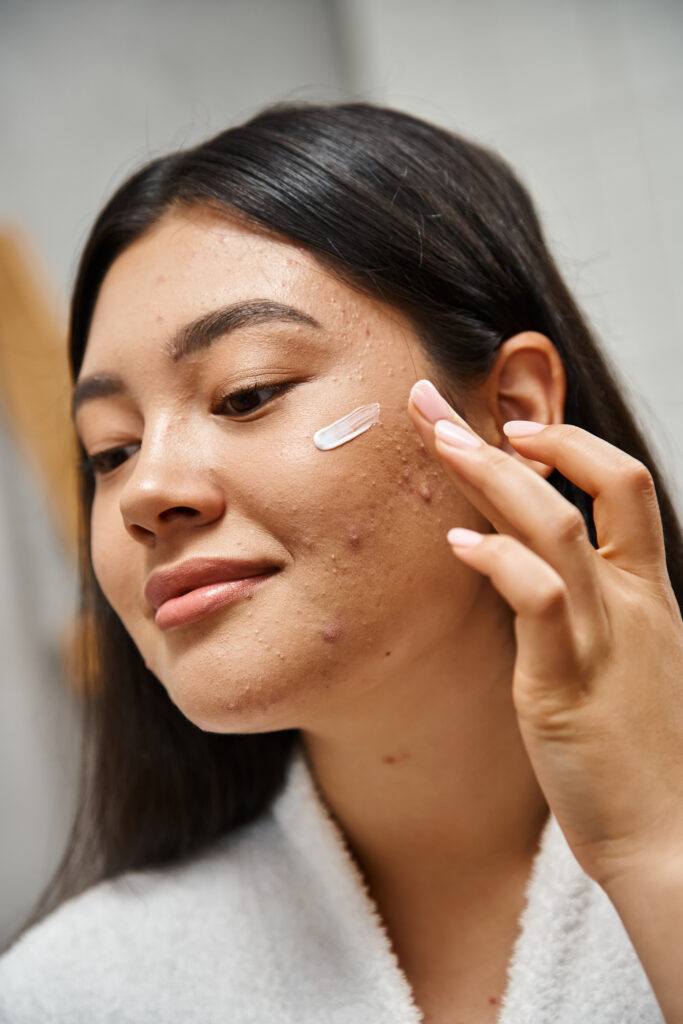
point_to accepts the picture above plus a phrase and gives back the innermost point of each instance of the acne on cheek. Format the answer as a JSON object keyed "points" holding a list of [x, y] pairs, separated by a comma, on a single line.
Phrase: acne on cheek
{"points": [[406, 463], [333, 631], [353, 538], [419, 488], [354, 424]]}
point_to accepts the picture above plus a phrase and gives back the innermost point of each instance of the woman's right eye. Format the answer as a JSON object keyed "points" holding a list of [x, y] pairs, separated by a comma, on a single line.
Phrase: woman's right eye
{"points": [[104, 462]]}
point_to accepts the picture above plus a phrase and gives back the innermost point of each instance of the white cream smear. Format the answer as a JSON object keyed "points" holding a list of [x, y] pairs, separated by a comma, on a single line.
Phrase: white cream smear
{"points": [[348, 427]]}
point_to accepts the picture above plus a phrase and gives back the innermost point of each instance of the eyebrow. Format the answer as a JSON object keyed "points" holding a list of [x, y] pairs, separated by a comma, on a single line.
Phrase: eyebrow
{"points": [[197, 336]]}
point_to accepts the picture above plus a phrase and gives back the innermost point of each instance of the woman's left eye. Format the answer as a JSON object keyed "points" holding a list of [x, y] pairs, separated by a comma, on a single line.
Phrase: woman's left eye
{"points": [[239, 403], [106, 461]]}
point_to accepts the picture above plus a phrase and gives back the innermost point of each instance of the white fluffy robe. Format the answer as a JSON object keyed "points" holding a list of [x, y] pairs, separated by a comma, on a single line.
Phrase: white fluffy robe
{"points": [[274, 925]]}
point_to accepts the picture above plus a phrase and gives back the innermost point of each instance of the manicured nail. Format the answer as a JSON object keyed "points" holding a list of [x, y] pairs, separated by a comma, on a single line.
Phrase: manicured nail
{"points": [[427, 399], [459, 537], [454, 435], [522, 428]]}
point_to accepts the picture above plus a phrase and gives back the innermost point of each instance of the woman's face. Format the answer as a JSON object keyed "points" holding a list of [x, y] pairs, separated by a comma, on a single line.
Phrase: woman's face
{"points": [[357, 582]]}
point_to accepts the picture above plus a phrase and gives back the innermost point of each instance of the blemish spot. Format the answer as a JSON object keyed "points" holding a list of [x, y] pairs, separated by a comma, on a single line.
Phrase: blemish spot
{"points": [[387, 653], [395, 758], [354, 537], [332, 633], [493, 1001], [424, 492]]}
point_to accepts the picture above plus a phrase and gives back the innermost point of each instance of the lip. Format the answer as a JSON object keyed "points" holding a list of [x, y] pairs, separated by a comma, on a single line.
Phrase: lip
{"points": [[197, 587]]}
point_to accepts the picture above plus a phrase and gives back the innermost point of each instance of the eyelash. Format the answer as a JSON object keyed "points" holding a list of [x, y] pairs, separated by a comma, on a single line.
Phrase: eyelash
{"points": [[104, 462], [251, 389]]}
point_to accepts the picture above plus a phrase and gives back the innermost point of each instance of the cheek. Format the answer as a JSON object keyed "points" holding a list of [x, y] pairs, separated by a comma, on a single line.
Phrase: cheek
{"points": [[113, 557], [370, 514]]}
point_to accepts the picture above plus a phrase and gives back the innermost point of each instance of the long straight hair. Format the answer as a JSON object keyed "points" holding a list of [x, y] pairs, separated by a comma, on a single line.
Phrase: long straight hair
{"points": [[416, 216]]}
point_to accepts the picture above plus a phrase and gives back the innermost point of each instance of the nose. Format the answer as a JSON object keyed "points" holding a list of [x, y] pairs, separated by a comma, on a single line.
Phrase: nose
{"points": [[169, 491]]}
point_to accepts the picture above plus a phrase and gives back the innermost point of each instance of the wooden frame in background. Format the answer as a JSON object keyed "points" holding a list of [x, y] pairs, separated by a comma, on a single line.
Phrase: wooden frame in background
{"points": [[34, 381]]}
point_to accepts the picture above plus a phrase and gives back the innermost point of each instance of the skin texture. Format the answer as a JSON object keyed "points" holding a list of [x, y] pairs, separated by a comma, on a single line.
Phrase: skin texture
{"points": [[421, 682]]}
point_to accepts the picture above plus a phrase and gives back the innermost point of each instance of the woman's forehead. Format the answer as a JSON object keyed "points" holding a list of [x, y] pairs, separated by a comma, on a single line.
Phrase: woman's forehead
{"points": [[188, 258], [194, 263]]}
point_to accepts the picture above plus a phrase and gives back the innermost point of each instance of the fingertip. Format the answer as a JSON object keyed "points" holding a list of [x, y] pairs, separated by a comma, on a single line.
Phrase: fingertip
{"points": [[429, 401], [459, 537], [522, 428]]}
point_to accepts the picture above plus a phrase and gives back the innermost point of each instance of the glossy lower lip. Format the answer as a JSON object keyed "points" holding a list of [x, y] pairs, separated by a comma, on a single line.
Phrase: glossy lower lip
{"points": [[203, 601]]}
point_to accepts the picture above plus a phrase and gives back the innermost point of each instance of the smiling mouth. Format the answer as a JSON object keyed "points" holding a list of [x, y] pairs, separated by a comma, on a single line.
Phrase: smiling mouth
{"points": [[200, 602]]}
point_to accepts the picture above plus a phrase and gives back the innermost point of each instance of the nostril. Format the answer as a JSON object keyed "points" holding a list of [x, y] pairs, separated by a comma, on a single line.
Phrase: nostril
{"points": [[140, 533], [178, 512]]}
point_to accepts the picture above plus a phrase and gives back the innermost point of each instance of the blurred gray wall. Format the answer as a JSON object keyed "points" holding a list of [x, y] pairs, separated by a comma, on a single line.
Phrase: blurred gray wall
{"points": [[39, 723], [583, 97], [89, 89]]}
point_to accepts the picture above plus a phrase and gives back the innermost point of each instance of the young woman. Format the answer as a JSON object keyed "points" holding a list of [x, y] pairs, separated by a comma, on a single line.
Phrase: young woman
{"points": [[385, 710]]}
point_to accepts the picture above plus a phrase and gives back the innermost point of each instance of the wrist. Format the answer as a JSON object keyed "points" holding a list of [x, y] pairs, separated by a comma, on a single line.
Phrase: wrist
{"points": [[647, 893], [656, 870], [657, 853]]}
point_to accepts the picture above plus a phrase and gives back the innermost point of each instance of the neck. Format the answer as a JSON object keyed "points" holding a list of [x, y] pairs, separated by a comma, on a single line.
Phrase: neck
{"points": [[426, 773]]}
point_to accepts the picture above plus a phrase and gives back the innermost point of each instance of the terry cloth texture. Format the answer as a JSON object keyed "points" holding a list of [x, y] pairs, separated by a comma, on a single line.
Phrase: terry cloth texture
{"points": [[274, 924]]}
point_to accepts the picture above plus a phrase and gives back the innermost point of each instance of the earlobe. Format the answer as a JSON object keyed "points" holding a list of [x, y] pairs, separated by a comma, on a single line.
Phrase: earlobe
{"points": [[527, 382]]}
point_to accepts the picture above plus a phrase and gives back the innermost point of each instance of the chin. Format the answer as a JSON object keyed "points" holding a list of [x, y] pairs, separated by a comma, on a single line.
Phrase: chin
{"points": [[238, 704]]}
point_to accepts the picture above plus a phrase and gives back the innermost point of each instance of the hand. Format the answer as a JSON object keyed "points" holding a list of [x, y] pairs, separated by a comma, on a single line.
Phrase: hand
{"points": [[598, 676]]}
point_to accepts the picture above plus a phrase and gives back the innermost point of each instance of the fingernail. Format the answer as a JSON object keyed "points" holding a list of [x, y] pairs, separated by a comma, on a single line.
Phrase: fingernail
{"points": [[454, 435], [521, 428], [459, 537], [427, 399]]}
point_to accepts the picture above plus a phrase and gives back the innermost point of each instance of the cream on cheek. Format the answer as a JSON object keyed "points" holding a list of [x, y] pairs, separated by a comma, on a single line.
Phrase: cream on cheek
{"points": [[345, 429]]}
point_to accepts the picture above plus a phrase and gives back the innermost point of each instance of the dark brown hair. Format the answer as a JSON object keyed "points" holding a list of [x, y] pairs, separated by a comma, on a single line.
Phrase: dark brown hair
{"points": [[400, 209]]}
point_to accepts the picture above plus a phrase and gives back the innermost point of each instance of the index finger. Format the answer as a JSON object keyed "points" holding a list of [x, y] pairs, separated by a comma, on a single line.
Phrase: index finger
{"points": [[625, 509]]}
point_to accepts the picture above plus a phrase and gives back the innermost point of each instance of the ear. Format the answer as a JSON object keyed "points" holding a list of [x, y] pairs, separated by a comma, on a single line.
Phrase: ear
{"points": [[527, 382]]}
